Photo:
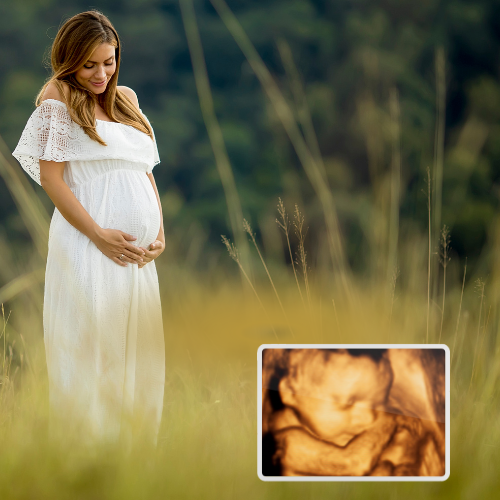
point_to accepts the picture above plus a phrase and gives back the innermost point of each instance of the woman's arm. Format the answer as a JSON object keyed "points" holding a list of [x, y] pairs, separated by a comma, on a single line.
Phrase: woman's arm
{"points": [[111, 242], [51, 179]]}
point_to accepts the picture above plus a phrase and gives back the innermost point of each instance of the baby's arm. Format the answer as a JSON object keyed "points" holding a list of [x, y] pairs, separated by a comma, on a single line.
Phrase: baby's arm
{"points": [[400, 456], [301, 453], [411, 452]]}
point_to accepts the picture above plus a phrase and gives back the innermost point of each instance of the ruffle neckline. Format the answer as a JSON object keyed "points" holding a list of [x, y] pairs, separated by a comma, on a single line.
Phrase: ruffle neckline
{"points": [[50, 134]]}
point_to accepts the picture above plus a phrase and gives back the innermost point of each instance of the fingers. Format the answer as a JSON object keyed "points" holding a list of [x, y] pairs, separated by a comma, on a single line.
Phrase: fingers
{"points": [[119, 262], [132, 248], [127, 258], [131, 256], [137, 255], [157, 245], [127, 236]]}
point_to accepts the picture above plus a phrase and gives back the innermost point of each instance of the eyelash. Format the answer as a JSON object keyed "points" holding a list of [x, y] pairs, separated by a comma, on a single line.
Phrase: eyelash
{"points": [[106, 64]]}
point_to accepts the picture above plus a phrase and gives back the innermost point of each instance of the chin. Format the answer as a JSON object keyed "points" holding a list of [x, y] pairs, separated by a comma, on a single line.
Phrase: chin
{"points": [[343, 439], [97, 90], [339, 439]]}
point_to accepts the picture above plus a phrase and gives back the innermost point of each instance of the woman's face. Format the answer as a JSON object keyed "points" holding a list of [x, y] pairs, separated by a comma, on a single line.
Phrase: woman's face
{"points": [[98, 69]]}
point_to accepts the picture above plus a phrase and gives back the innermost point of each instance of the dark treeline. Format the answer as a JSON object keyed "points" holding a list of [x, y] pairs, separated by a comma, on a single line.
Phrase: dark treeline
{"points": [[354, 56]]}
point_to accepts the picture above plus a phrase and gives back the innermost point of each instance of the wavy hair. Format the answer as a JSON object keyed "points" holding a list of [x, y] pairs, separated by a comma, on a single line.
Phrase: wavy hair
{"points": [[73, 45]]}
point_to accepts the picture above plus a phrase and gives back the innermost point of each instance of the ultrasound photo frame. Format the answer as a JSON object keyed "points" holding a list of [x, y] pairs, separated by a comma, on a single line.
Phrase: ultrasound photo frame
{"points": [[305, 438]]}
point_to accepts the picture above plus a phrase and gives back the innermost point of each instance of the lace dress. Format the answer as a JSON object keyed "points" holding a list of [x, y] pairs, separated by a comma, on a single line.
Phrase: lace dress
{"points": [[102, 322]]}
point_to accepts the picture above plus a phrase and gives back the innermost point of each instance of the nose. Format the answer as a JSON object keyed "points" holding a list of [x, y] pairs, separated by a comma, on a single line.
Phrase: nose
{"points": [[362, 417], [100, 73]]}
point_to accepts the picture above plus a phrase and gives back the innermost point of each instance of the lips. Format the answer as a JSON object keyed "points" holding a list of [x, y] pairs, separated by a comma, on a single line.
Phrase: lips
{"points": [[98, 83]]}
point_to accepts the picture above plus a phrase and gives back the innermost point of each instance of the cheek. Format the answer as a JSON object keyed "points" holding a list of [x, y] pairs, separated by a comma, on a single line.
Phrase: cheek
{"points": [[323, 417], [83, 74], [361, 418]]}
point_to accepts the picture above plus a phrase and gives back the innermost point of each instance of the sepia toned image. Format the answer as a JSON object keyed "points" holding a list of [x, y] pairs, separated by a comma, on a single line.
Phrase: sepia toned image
{"points": [[353, 412]]}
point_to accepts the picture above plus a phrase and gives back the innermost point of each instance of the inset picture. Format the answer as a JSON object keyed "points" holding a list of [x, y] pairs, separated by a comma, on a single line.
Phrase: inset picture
{"points": [[353, 412]]}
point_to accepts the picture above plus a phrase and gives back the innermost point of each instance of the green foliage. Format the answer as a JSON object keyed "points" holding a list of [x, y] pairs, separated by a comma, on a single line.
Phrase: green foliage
{"points": [[350, 54]]}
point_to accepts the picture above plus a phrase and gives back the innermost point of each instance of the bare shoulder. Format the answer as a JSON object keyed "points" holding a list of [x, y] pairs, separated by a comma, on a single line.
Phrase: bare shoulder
{"points": [[130, 94], [52, 92]]}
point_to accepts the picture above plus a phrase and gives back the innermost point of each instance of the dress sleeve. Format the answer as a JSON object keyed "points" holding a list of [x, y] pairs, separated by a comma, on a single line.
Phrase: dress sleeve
{"points": [[50, 135], [156, 156]]}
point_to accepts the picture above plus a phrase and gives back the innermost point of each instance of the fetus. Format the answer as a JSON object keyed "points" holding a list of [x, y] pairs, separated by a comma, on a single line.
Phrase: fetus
{"points": [[338, 417]]}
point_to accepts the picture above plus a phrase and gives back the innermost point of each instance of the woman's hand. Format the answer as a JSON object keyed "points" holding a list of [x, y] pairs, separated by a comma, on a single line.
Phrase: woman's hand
{"points": [[114, 242], [155, 249]]}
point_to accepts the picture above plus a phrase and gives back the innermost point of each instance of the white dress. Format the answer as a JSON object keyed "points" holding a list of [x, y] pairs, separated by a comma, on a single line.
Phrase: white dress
{"points": [[103, 329]]}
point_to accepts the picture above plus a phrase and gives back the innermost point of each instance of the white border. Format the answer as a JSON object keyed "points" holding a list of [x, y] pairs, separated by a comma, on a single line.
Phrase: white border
{"points": [[353, 478]]}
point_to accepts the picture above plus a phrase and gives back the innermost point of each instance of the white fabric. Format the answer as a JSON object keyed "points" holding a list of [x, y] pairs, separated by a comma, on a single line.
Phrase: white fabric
{"points": [[50, 134], [103, 327]]}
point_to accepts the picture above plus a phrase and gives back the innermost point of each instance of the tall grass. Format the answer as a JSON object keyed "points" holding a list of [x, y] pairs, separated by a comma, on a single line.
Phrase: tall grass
{"points": [[213, 128], [284, 112]]}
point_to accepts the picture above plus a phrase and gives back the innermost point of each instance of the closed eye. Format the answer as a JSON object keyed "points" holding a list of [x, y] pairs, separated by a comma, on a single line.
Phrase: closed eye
{"points": [[349, 404], [105, 64]]}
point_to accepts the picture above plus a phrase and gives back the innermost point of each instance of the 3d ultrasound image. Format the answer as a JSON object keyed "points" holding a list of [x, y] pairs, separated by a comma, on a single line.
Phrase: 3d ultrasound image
{"points": [[353, 412]]}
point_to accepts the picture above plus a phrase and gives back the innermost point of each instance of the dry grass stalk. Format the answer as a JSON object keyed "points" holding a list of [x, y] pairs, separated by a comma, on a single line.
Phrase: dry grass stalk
{"points": [[428, 194], [336, 316], [392, 257], [234, 254], [30, 208], [213, 128], [20, 284], [6, 360], [248, 229], [459, 312], [285, 226], [440, 70], [285, 114], [394, 278], [444, 258], [485, 329], [4, 335], [302, 254], [299, 95], [479, 287]]}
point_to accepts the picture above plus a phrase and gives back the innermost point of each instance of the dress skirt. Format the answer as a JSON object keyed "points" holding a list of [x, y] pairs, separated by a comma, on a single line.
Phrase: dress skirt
{"points": [[103, 328]]}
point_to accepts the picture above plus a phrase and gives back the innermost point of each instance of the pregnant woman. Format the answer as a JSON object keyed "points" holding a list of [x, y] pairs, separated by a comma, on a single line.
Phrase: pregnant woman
{"points": [[91, 148]]}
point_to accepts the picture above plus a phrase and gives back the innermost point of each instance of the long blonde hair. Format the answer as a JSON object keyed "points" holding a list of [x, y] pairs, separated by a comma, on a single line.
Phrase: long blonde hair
{"points": [[75, 42]]}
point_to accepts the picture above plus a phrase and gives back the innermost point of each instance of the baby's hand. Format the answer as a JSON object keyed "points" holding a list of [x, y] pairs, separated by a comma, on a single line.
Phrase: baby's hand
{"points": [[411, 452], [300, 453], [282, 419]]}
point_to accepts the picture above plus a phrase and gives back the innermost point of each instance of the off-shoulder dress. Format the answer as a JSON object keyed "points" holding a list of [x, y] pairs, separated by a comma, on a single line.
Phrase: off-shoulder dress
{"points": [[102, 322]]}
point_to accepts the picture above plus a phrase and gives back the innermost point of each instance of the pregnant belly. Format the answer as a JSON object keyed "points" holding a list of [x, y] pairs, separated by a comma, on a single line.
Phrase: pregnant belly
{"points": [[125, 200]]}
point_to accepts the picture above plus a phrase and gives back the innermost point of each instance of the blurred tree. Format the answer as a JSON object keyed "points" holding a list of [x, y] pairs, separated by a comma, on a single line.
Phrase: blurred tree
{"points": [[350, 53]]}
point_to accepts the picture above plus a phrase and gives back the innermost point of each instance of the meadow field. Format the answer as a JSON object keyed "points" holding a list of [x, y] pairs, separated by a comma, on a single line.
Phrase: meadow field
{"points": [[207, 446]]}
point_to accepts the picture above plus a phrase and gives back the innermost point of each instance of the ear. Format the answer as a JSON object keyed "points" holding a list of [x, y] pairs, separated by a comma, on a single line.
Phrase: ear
{"points": [[287, 393]]}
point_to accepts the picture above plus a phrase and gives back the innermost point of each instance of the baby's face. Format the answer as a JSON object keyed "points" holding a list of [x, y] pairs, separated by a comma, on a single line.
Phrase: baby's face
{"points": [[339, 398]]}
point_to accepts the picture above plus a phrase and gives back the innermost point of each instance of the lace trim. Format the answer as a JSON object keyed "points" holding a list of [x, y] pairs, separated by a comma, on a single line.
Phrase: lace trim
{"points": [[50, 134]]}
